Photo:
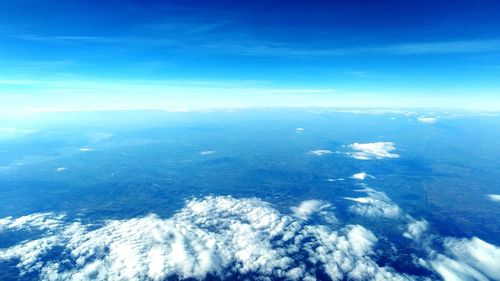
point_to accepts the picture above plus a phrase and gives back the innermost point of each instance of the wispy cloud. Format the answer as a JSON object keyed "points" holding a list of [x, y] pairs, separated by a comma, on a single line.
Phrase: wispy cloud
{"points": [[320, 152]]}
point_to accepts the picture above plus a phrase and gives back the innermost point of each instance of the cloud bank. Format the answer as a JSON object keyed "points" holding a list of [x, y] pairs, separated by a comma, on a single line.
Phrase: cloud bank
{"points": [[220, 237]]}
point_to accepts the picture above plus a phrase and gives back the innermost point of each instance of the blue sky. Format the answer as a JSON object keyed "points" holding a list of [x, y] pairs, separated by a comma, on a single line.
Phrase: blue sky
{"points": [[75, 55]]}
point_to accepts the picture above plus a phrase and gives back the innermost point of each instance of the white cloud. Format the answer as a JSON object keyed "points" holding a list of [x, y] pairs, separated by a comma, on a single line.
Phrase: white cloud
{"points": [[415, 229], [86, 149], [320, 152], [376, 204], [220, 236], [476, 253], [494, 197], [429, 120], [452, 270], [60, 169], [207, 152], [374, 150], [361, 176], [309, 207], [298, 130], [337, 179]]}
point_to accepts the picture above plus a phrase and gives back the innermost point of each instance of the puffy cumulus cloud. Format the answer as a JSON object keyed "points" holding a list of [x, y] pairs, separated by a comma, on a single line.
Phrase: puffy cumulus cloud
{"points": [[309, 207], [452, 270], [41, 221], [428, 120], [207, 152], [215, 236], [320, 152], [494, 197], [416, 229], [361, 176], [373, 150], [477, 254], [376, 204]]}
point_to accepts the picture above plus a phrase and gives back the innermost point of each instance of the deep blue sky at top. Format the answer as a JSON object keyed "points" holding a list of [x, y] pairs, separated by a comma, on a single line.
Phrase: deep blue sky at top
{"points": [[409, 47]]}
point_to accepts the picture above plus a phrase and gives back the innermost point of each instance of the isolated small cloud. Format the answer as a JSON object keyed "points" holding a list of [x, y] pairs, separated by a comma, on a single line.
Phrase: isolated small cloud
{"points": [[86, 149], [374, 150], [429, 120], [337, 179], [376, 204], [416, 229], [361, 176], [320, 152], [494, 197], [60, 169], [309, 207], [207, 152], [298, 130]]}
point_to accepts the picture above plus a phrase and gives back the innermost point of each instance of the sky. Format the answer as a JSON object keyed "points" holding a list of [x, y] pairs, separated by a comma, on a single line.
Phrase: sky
{"points": [[176, 55]]}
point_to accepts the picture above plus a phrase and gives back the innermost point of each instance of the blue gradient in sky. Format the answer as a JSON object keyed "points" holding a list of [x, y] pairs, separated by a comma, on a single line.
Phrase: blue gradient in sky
{"points": [[125, 54]]}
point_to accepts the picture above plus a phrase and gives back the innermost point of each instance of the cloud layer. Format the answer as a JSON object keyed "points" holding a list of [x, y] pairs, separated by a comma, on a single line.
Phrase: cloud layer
{"points": [[214, 236]]}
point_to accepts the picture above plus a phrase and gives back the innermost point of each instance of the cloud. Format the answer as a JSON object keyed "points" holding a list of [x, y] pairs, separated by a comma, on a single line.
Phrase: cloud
{"points": [[60, 169], [416, 229], [374, 150], [298, 130], [452, 270], [361, 176], [429, 120], [337, 179], [320, 152], [494, 197], [86, 149], [214, 236], [376, 204], [207, 152], [309, 207], [476, 253]]}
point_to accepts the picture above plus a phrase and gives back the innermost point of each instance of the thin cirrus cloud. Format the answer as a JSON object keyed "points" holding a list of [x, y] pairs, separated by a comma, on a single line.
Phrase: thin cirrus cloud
{"points": [[268, 48], [374, 150]]}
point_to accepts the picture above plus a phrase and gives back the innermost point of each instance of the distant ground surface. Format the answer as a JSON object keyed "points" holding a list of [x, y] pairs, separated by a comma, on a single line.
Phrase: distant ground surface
{"points": [[312, 194]]}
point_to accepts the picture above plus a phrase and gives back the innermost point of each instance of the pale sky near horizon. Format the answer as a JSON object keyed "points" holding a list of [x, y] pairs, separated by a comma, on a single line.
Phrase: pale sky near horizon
{"points": [[94, 55]]}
